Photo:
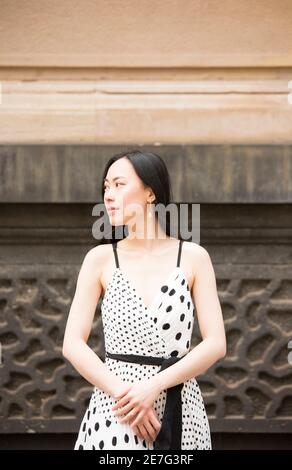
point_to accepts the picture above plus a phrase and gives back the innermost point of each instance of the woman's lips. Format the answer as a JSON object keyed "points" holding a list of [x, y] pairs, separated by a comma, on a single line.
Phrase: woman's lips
{"points": [[112, 210]]}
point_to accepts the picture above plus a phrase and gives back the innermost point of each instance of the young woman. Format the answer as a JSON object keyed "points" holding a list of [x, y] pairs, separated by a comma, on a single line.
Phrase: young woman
{"points": [[145, 392]]}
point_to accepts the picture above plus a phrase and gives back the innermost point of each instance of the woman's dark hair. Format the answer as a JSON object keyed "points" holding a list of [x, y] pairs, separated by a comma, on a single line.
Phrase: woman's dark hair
{"points": [[153, 172]]}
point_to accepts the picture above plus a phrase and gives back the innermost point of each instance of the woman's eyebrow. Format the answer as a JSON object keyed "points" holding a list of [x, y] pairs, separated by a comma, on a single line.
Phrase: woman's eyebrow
{"points": [[115, 178]]}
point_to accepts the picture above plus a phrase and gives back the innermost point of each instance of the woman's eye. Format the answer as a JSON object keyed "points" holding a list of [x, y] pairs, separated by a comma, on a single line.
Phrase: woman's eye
{"points": [[106, 187]]}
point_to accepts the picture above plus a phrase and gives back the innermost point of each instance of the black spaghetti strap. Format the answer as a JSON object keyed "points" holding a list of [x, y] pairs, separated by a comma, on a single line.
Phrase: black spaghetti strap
{"points": [[179, 253], [114, 245]]}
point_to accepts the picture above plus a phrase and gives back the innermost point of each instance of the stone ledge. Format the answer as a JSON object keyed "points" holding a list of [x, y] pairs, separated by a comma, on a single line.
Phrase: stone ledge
{"points": [[199, 173], [146, 112]]}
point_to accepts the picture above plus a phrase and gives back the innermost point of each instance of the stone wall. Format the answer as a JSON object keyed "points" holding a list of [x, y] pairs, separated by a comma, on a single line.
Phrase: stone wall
{"points": [[47, 194]]}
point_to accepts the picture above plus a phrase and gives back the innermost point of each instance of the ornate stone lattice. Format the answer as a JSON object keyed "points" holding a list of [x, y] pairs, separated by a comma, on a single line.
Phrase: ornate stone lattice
{"points": [[248, 390], [251, 388]]}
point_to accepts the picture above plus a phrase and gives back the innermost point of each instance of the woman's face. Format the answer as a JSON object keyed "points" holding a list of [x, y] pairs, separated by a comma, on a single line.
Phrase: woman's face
{"points": [[125, 192]]}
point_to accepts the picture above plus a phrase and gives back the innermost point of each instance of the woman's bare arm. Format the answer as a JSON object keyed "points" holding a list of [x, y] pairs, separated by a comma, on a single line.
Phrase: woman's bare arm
{"points": [[210, 318], [79, 324]]}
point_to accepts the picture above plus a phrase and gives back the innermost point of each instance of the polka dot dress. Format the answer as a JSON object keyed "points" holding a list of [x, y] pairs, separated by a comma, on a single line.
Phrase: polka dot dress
{"points": [[164, 329]]}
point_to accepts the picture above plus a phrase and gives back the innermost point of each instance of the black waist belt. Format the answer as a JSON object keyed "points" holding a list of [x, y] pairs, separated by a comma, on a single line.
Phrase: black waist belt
{"points": [[169, 436]]}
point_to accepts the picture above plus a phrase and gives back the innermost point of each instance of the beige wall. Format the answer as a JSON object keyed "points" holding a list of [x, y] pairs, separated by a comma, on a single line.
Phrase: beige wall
{"points": [[145, 71]]}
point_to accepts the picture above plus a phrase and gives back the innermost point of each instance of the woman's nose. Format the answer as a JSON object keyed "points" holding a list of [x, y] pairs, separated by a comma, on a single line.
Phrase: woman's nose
{"points": [[109, 195]]}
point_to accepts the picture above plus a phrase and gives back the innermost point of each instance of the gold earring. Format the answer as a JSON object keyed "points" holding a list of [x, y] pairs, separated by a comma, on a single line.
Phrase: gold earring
{"points": [[150, 213], [150, 210]]}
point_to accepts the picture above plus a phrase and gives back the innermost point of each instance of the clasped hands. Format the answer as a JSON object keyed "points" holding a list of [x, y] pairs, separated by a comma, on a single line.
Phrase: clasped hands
{"points": [[134, 404]]}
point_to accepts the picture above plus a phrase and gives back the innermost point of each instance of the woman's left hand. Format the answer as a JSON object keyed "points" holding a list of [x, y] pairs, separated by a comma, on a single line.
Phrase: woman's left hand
{"points": [[138, 400]]}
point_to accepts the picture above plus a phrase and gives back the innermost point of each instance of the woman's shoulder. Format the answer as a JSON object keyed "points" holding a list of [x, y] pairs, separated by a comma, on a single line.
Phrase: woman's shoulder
{"points": [[198, 254], [98, 254], [194, 248]]}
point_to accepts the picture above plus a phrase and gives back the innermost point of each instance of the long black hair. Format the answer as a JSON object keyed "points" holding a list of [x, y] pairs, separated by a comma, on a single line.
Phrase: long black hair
{"points": [[153, 172]]}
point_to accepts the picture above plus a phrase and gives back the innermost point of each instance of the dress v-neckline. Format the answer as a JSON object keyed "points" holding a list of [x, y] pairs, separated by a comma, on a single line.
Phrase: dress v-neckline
{"points": [[158, 294], [133, 288]]}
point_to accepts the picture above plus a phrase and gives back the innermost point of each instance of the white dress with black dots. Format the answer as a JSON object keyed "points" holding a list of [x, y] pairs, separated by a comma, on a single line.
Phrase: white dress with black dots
{"points": [[164, 329]]}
